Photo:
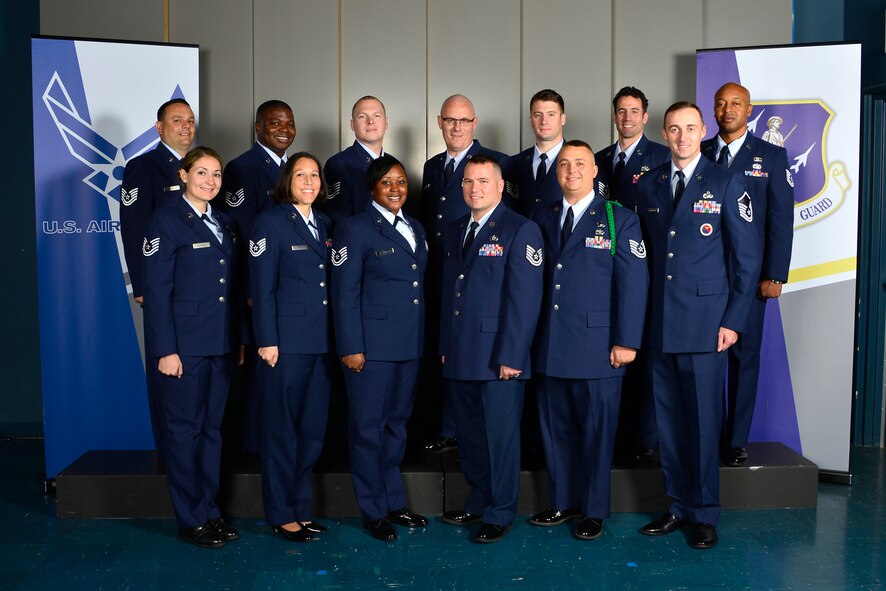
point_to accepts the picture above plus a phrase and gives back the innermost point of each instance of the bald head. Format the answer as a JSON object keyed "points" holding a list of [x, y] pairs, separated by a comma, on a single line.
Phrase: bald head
{"points": [[732, 107], [457, 121]]}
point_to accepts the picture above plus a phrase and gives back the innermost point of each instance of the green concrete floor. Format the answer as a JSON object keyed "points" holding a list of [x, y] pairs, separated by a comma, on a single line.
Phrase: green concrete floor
{"points": [[839, 545]]}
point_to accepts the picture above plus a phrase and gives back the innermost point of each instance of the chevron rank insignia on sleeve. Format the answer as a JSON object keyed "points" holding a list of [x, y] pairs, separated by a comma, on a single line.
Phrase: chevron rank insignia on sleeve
{"points": [[603, 190], [257, 248], [790, 179], [339, 256], [512, 189], [638, 249], [236, 198], [534, 256], [333, 191], [127, 198], [150, 247], [745, 209]]}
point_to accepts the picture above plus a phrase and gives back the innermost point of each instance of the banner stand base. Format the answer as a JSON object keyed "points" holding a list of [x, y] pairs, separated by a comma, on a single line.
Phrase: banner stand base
{"points": [[835, 477]]}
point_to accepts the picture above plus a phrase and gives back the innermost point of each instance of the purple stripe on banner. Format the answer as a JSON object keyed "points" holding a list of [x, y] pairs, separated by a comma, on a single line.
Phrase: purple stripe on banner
{"points": [[713, 70], [775, 416]]}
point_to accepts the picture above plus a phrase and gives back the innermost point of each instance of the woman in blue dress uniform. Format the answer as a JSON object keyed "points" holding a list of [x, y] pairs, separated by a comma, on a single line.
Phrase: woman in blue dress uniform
{"points": [[288, 265], [193, 319], [378, 263]]}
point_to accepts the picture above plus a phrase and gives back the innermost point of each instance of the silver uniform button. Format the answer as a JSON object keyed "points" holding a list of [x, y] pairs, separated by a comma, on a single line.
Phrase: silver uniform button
{"points": [[325, 302], [458, 294], [460, 277], [415, 301], [559, 266], [322, 284], [414, 266], [669, 277], [222, 299], [556, 306], [415, 284], [443, 198], [673, 232], [455, 313], [670, 255], [221, 261], [557, 287], [439, 216], [322, 266], [438, 234], [221, 280]]}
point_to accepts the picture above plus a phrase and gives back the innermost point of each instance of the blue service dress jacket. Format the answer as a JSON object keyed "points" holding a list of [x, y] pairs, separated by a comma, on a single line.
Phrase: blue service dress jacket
{"points": [[531, 196], [647, 155], [192, 301], [443, 202], [770, 185], [705, 257], [491, 297], [150, 182], [248, 187], [595, 291], [289, 273], [378, 288], [346, 183]]}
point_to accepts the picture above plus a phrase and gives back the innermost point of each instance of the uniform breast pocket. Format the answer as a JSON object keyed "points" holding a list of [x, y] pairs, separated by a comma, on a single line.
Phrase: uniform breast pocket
{"points": [[291, 309], [712, 287], [184, 308]]}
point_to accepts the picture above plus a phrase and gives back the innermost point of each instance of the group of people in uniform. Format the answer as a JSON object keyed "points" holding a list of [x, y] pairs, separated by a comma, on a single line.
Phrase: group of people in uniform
{"points": [[642, 267]]}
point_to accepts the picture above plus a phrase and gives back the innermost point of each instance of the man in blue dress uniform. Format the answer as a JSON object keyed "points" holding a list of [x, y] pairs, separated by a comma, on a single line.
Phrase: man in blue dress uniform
{"points": [[442, 203], [596, 281], [535, 167], [705, 263], [621, 166], [150, 182], [247, 190], [770, 185], [492, 291], [346, 171]]}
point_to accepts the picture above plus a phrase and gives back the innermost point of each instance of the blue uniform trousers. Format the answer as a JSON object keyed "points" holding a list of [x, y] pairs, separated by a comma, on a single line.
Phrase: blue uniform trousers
{"points": [[296, 404], [194, 406], [688, 393], [579, 419], [744, 373], [380, 401], [487, 419]]}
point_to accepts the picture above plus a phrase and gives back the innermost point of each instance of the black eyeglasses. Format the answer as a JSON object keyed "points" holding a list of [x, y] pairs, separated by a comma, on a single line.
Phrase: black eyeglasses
{"points": [[451, 121]]}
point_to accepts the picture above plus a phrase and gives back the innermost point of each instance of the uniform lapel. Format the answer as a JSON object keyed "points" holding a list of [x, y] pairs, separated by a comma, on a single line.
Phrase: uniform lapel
{"points": [[551, 227], [388, 230]]}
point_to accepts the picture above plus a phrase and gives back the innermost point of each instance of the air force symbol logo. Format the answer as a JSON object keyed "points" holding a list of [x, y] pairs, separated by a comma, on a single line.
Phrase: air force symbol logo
{"points": [[127, 198], [150, 247], [638, 249], [257, 248], [534, 256], [235, 199], [745, 209], [339, 256]]}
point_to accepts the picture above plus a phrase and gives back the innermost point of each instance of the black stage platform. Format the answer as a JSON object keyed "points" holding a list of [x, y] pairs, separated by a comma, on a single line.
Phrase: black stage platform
{"points": [[131, 484]]}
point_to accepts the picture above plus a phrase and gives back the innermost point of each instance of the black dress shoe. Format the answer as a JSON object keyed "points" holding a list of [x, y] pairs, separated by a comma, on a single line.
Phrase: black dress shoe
{"points": [[407, 518], [490, 533], [734, 456], [228, 533], [441, 445], [460, 518], [703, 536], [204, 536], [314, 528], [664, 525], [644, 454], [550, 517], [302, 535], [589, 528], [381, 529]]}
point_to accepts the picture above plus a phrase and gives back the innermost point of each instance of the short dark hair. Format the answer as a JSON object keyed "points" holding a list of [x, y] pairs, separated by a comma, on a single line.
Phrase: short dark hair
{"points": [[631, 92], [176, 101], [283, 188], [368, 97], [379, 168], [484, 159], [195, 154], [578, 144], [679, 105], [547, 94], [267, 106]]}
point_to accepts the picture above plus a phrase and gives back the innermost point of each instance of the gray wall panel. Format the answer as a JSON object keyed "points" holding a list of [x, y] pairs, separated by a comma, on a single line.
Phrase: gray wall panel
{"points": [[566, 46], [387, 60], [474, 49], [296, 60], [752, 22], [223, 30], [137, 20]]}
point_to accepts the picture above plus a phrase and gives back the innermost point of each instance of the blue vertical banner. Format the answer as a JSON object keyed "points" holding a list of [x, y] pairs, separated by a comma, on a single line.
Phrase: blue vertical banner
{"points": [[807, 99], [95, 105]]}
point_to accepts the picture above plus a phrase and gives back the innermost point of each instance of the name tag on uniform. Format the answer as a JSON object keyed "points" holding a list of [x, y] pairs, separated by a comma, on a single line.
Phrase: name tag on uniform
{"points": [[492, 250], [598, 242], [200, 245], [172, 188], [381, 253], [651, 210], [299, 247], [270, 191]]}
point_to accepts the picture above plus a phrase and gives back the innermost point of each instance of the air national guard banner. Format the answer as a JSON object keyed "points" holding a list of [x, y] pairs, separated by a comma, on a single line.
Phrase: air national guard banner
{"points": [[806, 99], [95, 105]]}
